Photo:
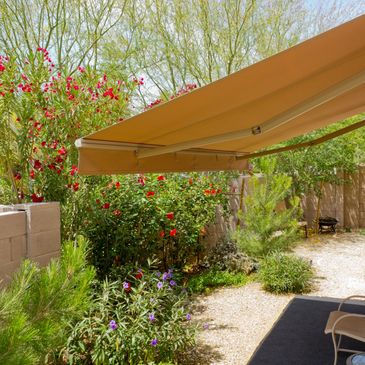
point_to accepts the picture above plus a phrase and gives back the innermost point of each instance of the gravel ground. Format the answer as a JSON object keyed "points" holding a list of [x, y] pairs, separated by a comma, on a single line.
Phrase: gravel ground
{"points": [[237, 319]]}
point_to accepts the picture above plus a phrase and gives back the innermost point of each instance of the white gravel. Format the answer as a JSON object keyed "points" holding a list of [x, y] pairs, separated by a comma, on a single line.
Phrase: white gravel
{"points": [[239, 318]]}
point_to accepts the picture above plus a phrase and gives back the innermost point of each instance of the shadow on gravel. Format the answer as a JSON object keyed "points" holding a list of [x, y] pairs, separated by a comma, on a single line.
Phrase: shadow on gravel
{"points": [[201, 355]]}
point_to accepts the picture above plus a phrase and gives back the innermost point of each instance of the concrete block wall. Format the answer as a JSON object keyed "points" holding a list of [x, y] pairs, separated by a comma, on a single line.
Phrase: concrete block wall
{"points": [[28, 231]]}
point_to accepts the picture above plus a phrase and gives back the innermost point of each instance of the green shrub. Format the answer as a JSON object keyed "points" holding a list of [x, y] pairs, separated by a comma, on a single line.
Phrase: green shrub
{"points": [[36, 307], [213, 278], [141, 320], [133, 217], [266, 228], [281, 273]]}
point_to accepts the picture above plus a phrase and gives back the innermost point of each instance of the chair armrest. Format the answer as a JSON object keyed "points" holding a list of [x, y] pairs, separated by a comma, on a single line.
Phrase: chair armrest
{"points": [[348, 298], [342, 318]]}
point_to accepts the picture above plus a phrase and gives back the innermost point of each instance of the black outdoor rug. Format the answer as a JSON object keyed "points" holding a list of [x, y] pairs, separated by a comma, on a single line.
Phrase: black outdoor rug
{"points": [[298, 338]]}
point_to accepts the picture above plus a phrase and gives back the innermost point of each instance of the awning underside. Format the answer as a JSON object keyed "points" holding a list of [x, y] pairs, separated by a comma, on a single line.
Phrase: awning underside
{"points": [[309, 86]]}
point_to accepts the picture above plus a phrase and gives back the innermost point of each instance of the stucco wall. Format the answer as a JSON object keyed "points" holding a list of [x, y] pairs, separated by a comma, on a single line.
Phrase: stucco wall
{"points": [[28, 231]]}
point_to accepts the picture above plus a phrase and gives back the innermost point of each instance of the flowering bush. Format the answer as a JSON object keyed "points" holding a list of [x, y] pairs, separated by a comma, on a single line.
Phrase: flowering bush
{"points": [[142, 319], [131, 218], [42, 111]]}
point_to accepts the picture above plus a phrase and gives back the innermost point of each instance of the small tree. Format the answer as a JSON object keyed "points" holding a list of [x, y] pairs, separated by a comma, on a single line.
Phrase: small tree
{"points": [[266, 228]]}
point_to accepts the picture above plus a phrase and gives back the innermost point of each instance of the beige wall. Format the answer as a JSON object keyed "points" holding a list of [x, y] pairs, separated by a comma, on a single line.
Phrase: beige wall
{"points": [[346, 202], [28, 231]]}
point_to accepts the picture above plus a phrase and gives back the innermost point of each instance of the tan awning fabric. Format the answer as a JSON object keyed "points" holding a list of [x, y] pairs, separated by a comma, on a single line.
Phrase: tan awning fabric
{"points": [[311, 85]]}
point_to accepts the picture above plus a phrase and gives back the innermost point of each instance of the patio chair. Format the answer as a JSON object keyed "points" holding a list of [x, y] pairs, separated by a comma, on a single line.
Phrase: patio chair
{"points": [[342, 323]]}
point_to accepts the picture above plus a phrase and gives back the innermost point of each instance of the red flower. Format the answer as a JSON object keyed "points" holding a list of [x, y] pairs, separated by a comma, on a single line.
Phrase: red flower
{"points": [[141, 180], [43, 143], [173, 232], [97, 201], [74, 170], [207, 192], [170, 215], [162, 234], [31, 174], [62, 151], [37, 164], [81, 69], [36, 199], [117, 185], [2, 68], [190, 181], [117, 212], [76, 186], [106, 206], [17, 176], [139, 275], [150, 193], [161, 178]]}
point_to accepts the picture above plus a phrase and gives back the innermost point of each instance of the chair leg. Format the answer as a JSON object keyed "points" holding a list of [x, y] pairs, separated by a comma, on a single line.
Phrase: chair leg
{"points": [[336, 347]]}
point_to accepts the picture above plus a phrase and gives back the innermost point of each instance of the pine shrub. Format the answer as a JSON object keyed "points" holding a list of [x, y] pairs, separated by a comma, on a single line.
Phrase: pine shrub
{"points": [[39, 303]]}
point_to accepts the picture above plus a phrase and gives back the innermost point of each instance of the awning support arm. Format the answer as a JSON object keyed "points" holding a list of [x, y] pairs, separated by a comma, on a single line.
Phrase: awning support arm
{"points": [[311, 143]]}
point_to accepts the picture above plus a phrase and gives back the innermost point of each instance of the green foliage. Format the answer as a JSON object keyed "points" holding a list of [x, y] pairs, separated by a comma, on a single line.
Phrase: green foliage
{"points": [[36, 307], [213, 278], [130, 218], [141, 320], [310, 167], [282, 273], [268, 228]]}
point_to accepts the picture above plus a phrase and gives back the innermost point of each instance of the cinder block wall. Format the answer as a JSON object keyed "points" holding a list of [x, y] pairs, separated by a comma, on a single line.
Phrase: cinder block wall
{"points": [[28, 231]]}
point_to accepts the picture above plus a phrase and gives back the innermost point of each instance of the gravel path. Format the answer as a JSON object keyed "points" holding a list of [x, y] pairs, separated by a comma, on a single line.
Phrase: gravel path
{"points": [[237, 319]]}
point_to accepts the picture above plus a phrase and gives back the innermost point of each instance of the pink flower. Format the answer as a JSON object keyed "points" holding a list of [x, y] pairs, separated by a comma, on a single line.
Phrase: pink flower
{"points": [[117, 212], [62, 151]]}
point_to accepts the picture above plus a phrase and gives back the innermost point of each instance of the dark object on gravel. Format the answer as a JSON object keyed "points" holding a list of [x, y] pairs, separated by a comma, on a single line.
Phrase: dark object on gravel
{"points": [[329, 223], [226, 256]]}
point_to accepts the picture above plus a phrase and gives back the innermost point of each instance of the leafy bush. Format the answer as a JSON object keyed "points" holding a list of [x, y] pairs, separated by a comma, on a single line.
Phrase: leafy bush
{"points": [[141, 320], [227, 256], [213, 278], [36, 307], [134, 217], [281, 273], [266, 228]]}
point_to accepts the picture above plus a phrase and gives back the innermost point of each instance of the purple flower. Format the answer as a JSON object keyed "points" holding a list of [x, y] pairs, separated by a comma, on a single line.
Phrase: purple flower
{"points": [[151, 317], [206, 326], [140, 270], [154, 342], [172, 283], [166, 275], [188, 317], [126, 285], [113, 325], [158, 274], [159, 285]]}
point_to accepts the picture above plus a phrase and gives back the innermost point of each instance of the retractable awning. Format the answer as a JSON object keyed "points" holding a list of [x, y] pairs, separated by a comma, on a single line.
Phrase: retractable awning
{"points": [[308, 86]]}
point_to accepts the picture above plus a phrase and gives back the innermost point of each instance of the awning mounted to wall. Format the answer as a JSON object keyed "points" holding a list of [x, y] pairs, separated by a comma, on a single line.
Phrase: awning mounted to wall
{"points": [[311, 85]]}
